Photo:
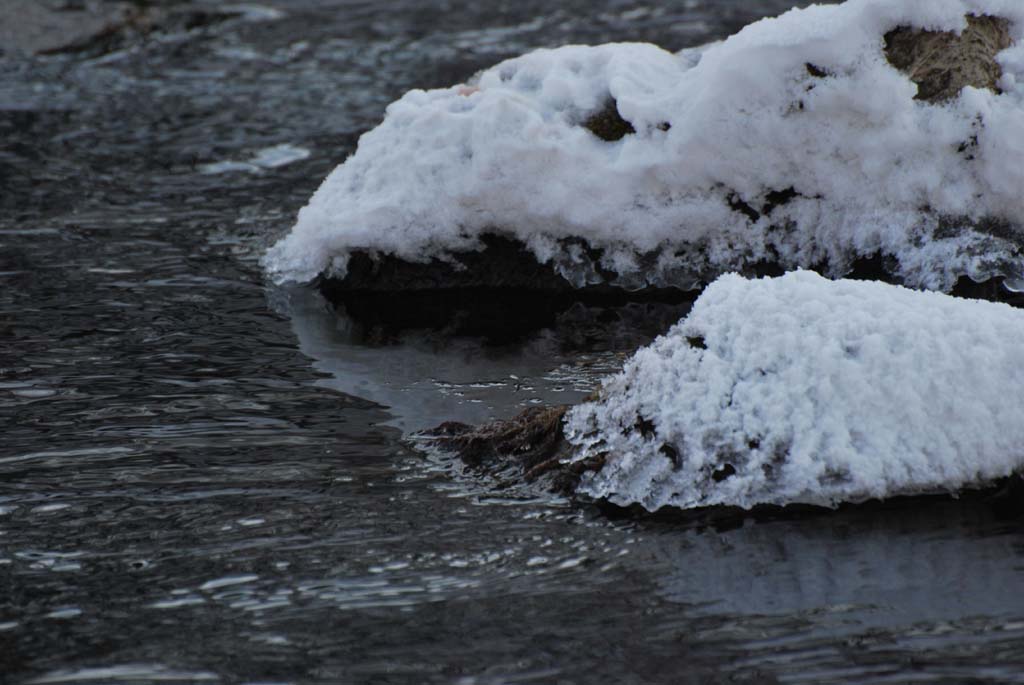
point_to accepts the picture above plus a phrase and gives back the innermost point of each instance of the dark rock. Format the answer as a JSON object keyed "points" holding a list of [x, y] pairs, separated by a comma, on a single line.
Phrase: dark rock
{"points": [[533, 446], [1003, 500], [533, 438], [1007, 501], [672, 454], [942, 63], [503, 288], [608, 124], [738, 204], [645, 427], [771, 200], [723, 473], [816, 71], [500, 294], [503, 263], [533, 443], [778, 198]]}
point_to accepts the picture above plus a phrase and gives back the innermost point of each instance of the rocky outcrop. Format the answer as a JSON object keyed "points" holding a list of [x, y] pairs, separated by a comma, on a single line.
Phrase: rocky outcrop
{"points": [[501, 264], [943, 63], [729, 408], [531, 448], [626, 181], [496, 289], [532, 444], [940, 63], [607, 124]]}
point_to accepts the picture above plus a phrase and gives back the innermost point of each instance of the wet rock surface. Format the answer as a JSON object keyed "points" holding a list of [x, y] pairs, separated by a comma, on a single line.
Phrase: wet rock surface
{"points": [[607, 124], [1003, 499], [531, 448], [504, 281], [943, 63], [531, 444], [502, 263]]}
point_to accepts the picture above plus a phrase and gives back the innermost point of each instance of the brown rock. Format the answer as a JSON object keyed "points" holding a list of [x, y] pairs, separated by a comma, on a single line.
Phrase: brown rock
{"points": [[533, 441], [942, 63], [607, 124]]}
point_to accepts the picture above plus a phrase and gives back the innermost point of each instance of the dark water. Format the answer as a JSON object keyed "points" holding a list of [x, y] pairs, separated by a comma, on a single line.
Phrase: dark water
{"points": [[203, 478]]}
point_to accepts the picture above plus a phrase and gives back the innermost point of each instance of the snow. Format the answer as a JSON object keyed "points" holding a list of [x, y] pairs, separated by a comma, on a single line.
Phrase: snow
{"points": [[812, 391], [506, 153], [267, 158]]}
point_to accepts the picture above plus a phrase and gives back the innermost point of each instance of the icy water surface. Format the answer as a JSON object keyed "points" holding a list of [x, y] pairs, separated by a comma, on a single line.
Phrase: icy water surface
{"points": [[203, 479]]}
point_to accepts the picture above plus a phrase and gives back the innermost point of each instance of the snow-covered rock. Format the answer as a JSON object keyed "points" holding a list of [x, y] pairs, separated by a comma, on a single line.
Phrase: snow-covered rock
{"points": [[795, 142], [802, 389]]}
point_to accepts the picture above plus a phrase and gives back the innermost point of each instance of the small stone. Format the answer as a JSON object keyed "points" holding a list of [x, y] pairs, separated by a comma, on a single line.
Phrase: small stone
{"points": [[607, 124], [942, 63]]}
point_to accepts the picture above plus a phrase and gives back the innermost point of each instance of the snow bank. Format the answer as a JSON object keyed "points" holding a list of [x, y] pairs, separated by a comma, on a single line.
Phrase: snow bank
{"points": [[872, 169], [801, 389]]}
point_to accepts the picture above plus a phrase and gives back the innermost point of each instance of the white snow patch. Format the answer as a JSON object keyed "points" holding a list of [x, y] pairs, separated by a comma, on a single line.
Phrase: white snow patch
{"points": [[267, 158], [227, 581], [812, 391], [736, 119], [252, 12]]}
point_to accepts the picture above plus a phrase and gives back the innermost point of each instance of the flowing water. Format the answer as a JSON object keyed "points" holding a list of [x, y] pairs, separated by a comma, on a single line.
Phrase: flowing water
{"points": [[205, 478]]}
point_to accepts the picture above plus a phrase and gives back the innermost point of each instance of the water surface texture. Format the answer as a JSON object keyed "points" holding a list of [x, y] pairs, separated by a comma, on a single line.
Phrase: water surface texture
{"points": [[204, 479]]}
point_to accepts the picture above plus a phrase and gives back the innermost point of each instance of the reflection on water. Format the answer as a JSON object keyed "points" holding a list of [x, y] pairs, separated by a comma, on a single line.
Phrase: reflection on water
{"points": [[197, 484], [425, 377], [876, 567]]}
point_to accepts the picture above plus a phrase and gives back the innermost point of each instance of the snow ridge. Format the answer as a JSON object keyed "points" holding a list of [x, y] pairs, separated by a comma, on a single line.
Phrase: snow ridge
{"points": [[802, 389], [864, 166]]}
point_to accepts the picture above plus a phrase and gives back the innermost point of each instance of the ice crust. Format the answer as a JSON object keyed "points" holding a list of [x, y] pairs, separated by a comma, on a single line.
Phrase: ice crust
{"points": [[874, 169], [812, 391]]}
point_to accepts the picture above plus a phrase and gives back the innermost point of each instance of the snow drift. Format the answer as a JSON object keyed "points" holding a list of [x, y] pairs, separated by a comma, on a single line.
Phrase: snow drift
{"points": [[802, 389], [794, 142]]}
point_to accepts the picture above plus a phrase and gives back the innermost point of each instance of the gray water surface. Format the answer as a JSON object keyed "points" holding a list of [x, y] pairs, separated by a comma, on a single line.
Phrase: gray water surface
{"points": [[205, 479]]}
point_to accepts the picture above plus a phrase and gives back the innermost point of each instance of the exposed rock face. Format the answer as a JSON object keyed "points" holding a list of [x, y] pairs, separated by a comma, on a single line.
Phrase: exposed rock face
{"points": [[532, 443], [503, 263], [502, 282], [942, 63], [607, 124]]}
